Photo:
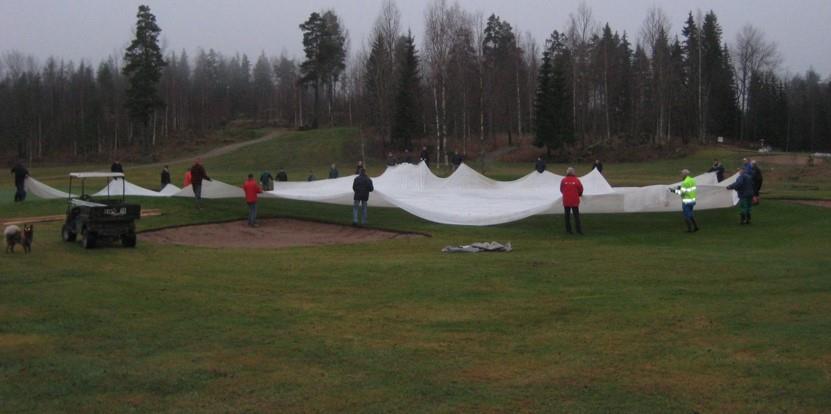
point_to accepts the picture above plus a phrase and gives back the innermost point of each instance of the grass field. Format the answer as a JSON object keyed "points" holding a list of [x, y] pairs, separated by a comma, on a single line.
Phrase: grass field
{"points": [[637, 316]]}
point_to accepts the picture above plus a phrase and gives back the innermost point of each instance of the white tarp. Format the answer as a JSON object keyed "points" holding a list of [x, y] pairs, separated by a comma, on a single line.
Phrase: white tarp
{"points": [[41, 190], [469, 198], [465, 198], [213, 189], [170, 189], [115, 188]]}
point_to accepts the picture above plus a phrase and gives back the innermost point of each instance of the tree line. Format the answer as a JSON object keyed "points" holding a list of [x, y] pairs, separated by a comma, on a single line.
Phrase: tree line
{"points": [[470, 79]]}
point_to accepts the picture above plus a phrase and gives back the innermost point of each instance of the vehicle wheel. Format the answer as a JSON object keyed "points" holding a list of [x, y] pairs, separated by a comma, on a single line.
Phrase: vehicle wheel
{"points": [[128, 240], [67, 235], [89, 239]]}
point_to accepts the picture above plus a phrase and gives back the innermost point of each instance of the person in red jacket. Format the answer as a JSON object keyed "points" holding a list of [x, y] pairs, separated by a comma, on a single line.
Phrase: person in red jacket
{"points": [[251, 190], [572, 189]]}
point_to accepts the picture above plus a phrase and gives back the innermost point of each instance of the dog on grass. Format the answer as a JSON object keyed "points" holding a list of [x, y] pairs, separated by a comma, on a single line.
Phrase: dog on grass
{"points": [[15, 236]]}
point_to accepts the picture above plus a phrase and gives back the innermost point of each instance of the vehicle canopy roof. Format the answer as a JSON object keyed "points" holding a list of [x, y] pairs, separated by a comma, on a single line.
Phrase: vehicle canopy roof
{"points": [[96, 175]]}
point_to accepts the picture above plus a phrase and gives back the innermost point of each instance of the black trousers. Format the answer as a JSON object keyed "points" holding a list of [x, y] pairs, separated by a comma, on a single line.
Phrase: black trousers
{"points": [[568, 211], [20, 191]]}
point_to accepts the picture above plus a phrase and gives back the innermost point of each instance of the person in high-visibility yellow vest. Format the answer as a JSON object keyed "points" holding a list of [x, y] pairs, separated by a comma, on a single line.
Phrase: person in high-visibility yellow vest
{"points": [[687, 192]]}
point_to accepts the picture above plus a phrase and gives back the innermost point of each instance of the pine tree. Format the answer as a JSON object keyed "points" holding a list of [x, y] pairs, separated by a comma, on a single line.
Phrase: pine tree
{"points": [[143, 68], [324, 44], [553, 116], [545, 105], [692, 73], [406, 121]]}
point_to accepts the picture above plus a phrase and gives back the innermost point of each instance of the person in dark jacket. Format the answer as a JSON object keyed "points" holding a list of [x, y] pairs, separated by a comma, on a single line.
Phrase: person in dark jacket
{"points": [[598, 166], [362, 186], [456, 160], [359, 167], [197, 175], [20, 173], [718, 169], [311, 176], [391, 161], [756, 173], [744, 188], [540, 165], [333, 171], [165, 178], [572, 189], [267, 181], [424, 156], [117, 167], [408, 157], [281, 175]]}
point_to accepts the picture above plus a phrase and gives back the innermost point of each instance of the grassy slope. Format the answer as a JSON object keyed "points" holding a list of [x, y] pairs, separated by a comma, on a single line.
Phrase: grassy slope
{"points": [[636, 316]]}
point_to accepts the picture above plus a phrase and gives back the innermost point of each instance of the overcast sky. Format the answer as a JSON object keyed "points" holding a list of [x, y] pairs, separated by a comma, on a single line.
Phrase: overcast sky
{"points": [[93, 29]]}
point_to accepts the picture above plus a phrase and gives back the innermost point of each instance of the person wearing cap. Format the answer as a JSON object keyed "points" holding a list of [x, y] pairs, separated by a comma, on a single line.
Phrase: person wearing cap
{"points": [[572, 189], [687, 192]]}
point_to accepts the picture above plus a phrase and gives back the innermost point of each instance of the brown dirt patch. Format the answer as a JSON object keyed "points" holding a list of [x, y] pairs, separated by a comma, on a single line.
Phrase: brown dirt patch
{"points": [[271, 233], [816, 203], [787, 159]]}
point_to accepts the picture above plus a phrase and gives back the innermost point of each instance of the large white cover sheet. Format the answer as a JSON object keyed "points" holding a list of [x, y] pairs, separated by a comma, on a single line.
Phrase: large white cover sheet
{"points": [[464, 198]]}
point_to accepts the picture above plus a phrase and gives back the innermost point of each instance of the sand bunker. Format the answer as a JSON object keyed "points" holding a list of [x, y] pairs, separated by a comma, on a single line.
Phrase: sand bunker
{"points": [[271, 233]]}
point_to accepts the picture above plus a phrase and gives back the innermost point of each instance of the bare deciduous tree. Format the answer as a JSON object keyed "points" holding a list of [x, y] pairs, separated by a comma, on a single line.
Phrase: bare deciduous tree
{"points": [[753, 54]]}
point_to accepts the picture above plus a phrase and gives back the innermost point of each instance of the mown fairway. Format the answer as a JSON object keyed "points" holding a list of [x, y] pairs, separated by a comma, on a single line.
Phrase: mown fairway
{"points": [[636, 316]]}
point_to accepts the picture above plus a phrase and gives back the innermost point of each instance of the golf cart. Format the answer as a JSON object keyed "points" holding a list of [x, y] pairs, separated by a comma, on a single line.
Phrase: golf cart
{"points": [[100, 219]]}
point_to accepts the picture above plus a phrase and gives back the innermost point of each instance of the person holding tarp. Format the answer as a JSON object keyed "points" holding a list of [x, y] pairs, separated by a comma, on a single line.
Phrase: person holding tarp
{"points": [[187, 179], [282, 176], [540, 165], [756, 173], [572, 189], [197, 175], [424, 156], [362, 186], [267, 181], [687, 192], [251, 190], [718, 169], [456, 160], [165, 177], [117, 167], [744, 187], [20, 173]]}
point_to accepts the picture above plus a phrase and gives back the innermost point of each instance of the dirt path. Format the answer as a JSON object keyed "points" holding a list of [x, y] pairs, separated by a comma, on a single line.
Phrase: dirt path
{"points": [[815, 203], [216, 152], [271, 233]]}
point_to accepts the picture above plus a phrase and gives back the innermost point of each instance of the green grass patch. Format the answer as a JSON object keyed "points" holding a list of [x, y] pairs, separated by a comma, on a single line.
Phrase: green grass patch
{"points": [[636, 316]]}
